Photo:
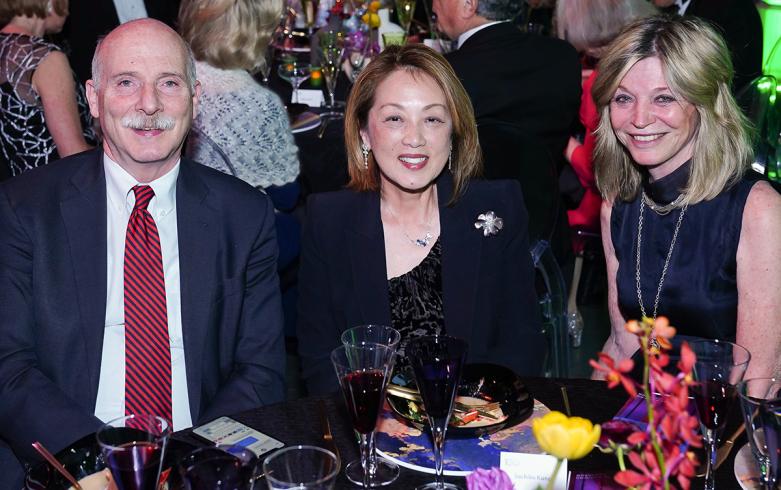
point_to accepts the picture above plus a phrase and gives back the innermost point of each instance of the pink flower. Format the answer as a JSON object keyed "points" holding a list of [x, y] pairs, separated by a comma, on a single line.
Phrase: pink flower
{"points": [[615, 373], [493, 479]]}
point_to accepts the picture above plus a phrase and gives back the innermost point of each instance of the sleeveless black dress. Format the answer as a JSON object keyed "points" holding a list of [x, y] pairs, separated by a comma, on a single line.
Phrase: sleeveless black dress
{"points": [[416, 301], [699, 295]]}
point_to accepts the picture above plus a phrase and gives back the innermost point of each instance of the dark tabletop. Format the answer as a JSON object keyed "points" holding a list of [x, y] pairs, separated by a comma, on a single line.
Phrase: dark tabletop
{"points": [[298, 422]]}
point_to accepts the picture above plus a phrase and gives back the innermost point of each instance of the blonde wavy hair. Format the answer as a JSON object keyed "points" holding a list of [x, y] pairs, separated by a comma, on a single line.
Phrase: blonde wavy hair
{"points": [[230, 34], [698, 69], [467, 158]]}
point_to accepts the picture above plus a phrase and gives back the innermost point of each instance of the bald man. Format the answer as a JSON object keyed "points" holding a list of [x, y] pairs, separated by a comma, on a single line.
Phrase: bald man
{"points": [[131, 279]]}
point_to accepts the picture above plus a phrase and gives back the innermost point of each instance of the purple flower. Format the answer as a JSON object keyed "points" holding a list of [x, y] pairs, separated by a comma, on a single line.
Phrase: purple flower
{"points": [[493, 479]]}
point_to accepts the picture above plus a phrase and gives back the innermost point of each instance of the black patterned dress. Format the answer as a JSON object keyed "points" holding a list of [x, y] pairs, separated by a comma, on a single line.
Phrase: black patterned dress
{"points": [[25, 142], [416, 301]]}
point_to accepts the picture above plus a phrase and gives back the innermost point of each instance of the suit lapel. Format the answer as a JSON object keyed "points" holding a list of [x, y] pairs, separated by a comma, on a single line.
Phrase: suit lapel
{"points": [[84, 216], [367, 260], [461, 245], [197, 226]]}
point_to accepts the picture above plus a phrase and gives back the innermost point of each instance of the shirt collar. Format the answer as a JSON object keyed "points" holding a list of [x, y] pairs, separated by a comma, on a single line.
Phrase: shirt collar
{"points": [[682, 6], [119, 187], [466, 35]]}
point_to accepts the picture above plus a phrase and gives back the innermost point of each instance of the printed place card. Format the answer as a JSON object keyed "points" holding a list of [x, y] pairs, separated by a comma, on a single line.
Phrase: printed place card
{"points": [[528, 471], [312, 98]]}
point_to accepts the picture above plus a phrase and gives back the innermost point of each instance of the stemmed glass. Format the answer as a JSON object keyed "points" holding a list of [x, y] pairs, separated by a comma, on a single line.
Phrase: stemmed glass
{"points": [[310, 14], [219, 468], [265, 67], [363, 371], [760, 399], [405, 10], [720, 366], [295, 74], [332, 51], [133, 447], [383, 472], [437, 362]]}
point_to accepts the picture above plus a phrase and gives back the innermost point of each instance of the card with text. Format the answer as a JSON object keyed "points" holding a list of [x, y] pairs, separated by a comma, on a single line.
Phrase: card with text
{"points": [[528, 471], [312, 98]]}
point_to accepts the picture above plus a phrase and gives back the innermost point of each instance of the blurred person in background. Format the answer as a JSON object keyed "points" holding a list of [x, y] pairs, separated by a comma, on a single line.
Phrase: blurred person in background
{"points": [[688, 233], [43, 114], [590, 25]]}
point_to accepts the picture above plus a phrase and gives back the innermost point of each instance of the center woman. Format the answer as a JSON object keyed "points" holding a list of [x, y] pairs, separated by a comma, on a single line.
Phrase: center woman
{"points": [[416, 242]]}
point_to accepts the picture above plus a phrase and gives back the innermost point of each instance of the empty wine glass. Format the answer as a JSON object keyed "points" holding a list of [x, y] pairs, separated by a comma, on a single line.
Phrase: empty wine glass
{"points": [[295, 74], [757, 397], [268, 63], [310, 14], [720, 366], [301, 468], [331, 52], [363, 371], [133, 447], [405, 10], [437, 362]]}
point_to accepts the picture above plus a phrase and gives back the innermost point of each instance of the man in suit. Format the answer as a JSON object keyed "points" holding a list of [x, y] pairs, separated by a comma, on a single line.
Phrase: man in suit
{"points": [[525, 89], [89, 20], [131, 279], [739, 23]]}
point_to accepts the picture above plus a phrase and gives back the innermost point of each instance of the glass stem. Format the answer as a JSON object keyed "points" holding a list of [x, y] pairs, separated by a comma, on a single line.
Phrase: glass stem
{"points": [[331, 96], [365, 447], [710, 463], [372, 455], [438, 428]]}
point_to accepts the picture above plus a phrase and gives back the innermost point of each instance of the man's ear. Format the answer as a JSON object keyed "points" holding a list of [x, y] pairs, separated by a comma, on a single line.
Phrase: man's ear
{"points": [[92, 99], [469, 8]]}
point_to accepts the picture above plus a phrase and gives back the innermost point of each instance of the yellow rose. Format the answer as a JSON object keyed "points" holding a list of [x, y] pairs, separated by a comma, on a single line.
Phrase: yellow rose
{"points": [[374, 6], [371, 19], [565, 437]]}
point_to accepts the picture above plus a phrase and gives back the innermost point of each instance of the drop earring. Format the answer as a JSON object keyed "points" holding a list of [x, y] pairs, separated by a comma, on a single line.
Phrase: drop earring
{"points": [[365, 151], [450, 160]]}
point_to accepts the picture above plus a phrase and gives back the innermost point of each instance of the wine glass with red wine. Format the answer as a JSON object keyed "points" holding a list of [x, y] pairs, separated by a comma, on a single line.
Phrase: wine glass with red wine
{"points": [[133, 448], [437, 362], [363, 371], [719, 368]]}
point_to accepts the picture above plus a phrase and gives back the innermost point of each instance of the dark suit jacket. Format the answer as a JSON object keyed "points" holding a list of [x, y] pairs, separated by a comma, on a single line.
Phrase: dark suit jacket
{"points": [[741, 26], [90, 20], [525, 90], [53, 300], [488, 291]]}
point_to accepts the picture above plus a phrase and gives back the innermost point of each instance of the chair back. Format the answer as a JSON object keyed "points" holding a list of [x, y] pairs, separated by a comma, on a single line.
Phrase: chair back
{"points": [[552, 296]]}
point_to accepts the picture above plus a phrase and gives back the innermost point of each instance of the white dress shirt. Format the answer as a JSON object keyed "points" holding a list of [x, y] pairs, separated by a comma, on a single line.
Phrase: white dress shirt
{"points": [[682, 6], [120, 200], [467, 34], [130, 10]]}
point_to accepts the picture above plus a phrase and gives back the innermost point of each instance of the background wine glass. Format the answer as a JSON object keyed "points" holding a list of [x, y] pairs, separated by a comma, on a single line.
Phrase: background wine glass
{"points": [[381, 469], [133, 447], [295, 74], [265, 68], [219, 468], [757, 397], [363, 371], [310, 14], [301, 468], [437, 362], [332, 54], [405, 10], [720, 366]]}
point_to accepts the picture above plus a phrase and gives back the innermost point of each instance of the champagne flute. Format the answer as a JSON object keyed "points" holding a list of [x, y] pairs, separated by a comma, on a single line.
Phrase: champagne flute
{"points": [[310, 14], [758, 396], [133, 447], [268, 63], [332, 52], [437, 362], [363, 371], [405, 10], [720, 366], [295, 74], [383, 472]]}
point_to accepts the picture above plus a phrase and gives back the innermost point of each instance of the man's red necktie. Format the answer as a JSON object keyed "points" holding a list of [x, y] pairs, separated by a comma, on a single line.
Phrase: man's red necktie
{"points": [[147, 346]]}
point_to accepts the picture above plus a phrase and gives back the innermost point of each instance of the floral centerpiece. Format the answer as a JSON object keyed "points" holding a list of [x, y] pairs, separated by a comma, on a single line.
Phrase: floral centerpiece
{"points": [[660, 453]]}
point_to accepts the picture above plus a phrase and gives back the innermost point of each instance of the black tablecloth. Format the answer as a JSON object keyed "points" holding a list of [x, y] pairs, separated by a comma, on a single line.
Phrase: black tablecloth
{"points": [[298, 422]]}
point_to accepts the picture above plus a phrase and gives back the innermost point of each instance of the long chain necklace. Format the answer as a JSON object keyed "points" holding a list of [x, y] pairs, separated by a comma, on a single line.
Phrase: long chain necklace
{"points": [[666, 261], [420, 242]]}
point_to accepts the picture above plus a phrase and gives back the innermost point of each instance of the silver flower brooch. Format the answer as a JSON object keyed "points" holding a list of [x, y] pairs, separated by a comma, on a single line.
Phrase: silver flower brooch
{"points": [[489, 222]]}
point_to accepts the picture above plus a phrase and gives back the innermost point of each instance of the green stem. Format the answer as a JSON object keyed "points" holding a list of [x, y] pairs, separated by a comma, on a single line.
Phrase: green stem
{"points": [[549, 486], [650, 408], [620, 456]]}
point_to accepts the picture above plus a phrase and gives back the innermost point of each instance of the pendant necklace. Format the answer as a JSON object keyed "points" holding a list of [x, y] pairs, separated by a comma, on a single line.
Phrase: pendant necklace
{"points": [[654, 343], [420, 242]]}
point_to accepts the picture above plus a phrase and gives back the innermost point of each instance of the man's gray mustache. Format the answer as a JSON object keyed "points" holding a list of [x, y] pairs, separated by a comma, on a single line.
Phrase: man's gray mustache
{"points": [[148, 122]]}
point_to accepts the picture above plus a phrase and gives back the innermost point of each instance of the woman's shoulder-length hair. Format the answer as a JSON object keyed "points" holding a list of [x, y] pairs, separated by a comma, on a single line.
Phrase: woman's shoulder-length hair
{"points": [[30, 8], [229, 34], [418, 60], [699, 70]]}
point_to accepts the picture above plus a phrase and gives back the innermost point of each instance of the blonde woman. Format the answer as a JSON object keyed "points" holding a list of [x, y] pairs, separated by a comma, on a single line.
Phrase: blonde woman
{"points": [[241, 127], [688, 232]]}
